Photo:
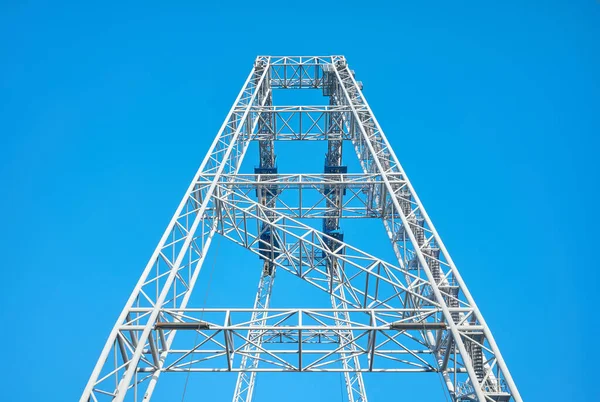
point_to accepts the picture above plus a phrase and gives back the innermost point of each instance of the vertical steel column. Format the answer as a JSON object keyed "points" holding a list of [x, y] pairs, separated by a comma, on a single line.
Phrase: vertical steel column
{"points": [[244, 388], [355, 386], [377, 156], [225, 156]]}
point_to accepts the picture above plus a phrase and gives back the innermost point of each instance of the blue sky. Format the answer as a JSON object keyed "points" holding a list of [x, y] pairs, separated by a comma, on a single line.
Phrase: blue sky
{"points": [[106, 112]]}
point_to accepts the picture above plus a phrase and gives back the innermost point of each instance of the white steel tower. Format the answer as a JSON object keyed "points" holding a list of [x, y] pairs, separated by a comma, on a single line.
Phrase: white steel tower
{"points": [[414, 314]]}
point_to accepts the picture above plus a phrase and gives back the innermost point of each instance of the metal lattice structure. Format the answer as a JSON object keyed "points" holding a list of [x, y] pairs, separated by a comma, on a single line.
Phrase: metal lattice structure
{"points": [[414, 314]]}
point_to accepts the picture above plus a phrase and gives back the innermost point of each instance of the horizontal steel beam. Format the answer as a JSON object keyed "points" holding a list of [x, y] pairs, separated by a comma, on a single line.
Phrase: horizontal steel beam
{"points": [[296, 180], [296, 369], [402, 326], [194, 325], [301, 122], [298, 109], [306, 196], [385, 339]]}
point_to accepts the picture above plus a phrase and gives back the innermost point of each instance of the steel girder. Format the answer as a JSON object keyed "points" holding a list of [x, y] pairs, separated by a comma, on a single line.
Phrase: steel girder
{"points": [[171, 273], [244, 387], [334, 196], [416, 315], [300, 340], [416, 241]]}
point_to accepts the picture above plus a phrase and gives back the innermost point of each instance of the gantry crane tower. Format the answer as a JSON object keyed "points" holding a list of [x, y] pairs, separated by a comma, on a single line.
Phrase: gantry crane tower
{"points": [[412, 315]]}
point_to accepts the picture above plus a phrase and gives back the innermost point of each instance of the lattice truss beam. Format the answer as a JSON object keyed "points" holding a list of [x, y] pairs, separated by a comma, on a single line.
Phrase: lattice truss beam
{"points": [[414, 314]]}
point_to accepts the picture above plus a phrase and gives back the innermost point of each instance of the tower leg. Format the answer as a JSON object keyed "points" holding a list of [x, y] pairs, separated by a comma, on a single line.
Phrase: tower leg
{"points": [[244, 388], [173, 268]]}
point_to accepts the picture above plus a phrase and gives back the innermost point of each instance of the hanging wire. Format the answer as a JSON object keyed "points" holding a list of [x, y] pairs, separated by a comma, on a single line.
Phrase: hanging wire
{"points": [[440, 376], [212, 269], [341, 388], [444, 388]]}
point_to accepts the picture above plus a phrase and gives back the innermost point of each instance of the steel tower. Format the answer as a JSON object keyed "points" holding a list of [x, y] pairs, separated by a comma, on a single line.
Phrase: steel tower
{"points": [[414, 314]]}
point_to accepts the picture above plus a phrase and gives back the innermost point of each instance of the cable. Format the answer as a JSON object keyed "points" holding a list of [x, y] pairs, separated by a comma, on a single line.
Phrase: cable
{"points": [[187, 378], [445, 389], [440, 376], [341, 388]]}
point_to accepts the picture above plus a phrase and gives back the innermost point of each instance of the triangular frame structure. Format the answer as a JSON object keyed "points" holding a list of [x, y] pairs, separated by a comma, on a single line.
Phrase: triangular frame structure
{"points": [[415, 315]]}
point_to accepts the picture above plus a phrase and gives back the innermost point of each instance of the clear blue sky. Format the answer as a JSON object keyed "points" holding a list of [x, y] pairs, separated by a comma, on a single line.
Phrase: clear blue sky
{"points": [[106, 111]]}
